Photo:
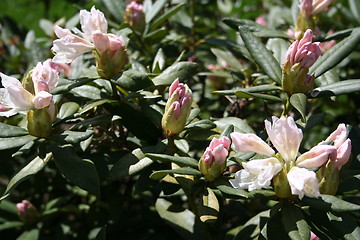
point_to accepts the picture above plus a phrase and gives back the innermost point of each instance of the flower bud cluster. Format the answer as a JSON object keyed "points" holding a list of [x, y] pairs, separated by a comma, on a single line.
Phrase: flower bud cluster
{"points": [[177, 108], [291, 174], [300, 56]]}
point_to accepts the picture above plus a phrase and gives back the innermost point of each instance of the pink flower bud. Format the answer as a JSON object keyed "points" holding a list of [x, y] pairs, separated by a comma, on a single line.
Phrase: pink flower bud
{"points": [[313, 236], [306, 7], [338, 136], [134, 15], [343, 154], [27, 212], [249, 142], [317, 156], [261, 20]]}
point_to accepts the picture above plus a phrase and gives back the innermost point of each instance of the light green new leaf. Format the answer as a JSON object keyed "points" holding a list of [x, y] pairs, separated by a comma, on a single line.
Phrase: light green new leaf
{"points": [[181, 70], [294, 222], [298, 101], [336, 54], [184, 161], [337, 88], [261, 55], [36, 165]]}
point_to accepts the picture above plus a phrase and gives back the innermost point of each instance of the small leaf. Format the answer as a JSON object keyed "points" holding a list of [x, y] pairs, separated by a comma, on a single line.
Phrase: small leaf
{"points": [[228, 58], [182, 145], [133, 80], [159, 60], [36, 165], [338, 88], [184, 161], [181, 70], [13, 142], [158, 175], [81, 172], [336, 54], [331, 203], [338, 35], [261, 55], [67, 109], [294, 222], [7, 130], [298, 101], [76, 137], [91, 105]]}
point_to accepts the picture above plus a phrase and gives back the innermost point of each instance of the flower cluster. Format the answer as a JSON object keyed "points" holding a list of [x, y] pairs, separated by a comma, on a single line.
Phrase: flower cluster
{"points": [[300, 56], [294, 172], [110, 52]]}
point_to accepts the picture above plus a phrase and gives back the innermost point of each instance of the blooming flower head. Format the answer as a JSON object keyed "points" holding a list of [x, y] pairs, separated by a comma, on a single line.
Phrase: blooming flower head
{"points": [[177, 108], [286, 138], [213, 162], [36, 95]]}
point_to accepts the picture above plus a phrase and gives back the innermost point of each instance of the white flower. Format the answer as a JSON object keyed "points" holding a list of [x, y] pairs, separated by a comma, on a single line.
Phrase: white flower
{"points": [[256, 174], [303, 182], [249, 142], [316, 157], [285, 136]]}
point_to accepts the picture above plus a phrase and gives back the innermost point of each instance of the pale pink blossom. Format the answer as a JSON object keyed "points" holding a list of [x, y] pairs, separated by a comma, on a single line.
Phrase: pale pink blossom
{"points": [[256, 174], [249, 142], [217, 151], [261, 20], [285, 136], [316, 156], [306, 7], [320, 5], [303, 182]]}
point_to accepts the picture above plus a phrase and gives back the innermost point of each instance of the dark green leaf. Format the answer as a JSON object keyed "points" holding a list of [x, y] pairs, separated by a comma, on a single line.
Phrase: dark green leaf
{"points": [[165, 16], [209, 207], [261, 55], [336, 54], [76, 137], [181, 70], [36, 165], [331, 203], [13, 142], [133, 80], [298, 101], [86, 91], [338, 35], [338, 88], [30, 235], [81, 172], [255, 89], [294, 222], [92, 105], [226, 133], [184, 161], [7, 130], [228, 58], [242, 94], [102, 234], [158, 175], [355, 9], [65, 85], [202, 124]]}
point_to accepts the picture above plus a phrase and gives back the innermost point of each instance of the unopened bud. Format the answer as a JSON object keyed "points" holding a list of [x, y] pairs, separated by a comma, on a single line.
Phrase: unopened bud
{"points": [[281, 184], [40, 121], [328, 178], [316, 157], [27, 212], [213, 162], [177, 108], [110, 54], [134, 15]]}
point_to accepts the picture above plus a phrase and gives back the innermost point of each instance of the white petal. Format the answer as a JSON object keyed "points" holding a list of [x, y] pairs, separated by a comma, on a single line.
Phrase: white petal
{"points": [[303, 182], [249, 142]]}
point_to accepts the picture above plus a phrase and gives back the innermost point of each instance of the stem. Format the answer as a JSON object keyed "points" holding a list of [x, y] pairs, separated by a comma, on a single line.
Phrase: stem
{"points": [[287, 107]]}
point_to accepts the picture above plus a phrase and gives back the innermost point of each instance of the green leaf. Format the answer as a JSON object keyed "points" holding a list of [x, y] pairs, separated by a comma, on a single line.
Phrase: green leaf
{"points": [[338, 35], [338, 88], [165, 16], [87, 91], [254, 89], [279, 47], [76, 137], [261, 55], [182, 145], [81, 172], [151, 10], [36, 165], [130, 164], [355, 9], [181, 70], [298, 101], [202, 124], [209, 207], [183, 161], [91, 105], [257, 29], [159, 61], [226, 133], [294, 222], [32, 234], [8, 225], [182, 220], [158, 175], [239, 124], [7, 130], [67, 109], [250, 228], [327, 78], [336, 54], [101, 234], [65, 85], [331, 203], [228, 58], [116, 8], [13, 142], [133, 80], [242, 94]]}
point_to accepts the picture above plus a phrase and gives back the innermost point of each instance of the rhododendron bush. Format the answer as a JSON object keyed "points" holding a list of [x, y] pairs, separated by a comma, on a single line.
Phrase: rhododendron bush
{"points": [[180, 119]]}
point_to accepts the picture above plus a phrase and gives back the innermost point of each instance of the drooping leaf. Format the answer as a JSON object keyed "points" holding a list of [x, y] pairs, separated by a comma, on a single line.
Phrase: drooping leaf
{"points": [[181, 70], [183, 161], [337, 88], [80, 172], [298, 101], [336, 54], [294, 222], [36, 165]]}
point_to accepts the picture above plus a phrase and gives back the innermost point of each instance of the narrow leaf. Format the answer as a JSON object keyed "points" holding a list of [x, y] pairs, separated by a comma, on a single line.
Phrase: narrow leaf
{"points": [[298, 101], [158, 175], [13, 142], [165, 16], [337, 88], [7, 130], [184, 161]]}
